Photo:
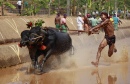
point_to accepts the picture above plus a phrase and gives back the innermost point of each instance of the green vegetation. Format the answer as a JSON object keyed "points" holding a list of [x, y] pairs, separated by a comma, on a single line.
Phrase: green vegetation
{"points": [[31, 24], [6, 4], [32, 7]]}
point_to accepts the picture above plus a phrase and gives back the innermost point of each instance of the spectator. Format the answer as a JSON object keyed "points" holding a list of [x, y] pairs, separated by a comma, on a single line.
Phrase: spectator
{"points": [[63, 24], [25, 4], [99, 20], [90, 19], [86, 24], [80, 22], [94, 21], [57, 21], [116, 21], [19, 3]]}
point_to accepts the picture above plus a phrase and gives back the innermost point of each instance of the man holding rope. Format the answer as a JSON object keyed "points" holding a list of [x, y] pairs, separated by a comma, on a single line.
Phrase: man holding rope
{"points": [[109, 38]]}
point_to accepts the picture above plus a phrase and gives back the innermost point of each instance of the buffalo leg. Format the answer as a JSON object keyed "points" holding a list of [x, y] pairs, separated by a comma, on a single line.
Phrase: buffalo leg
{"points": [[72, 50], [36, 58], [45, 58], [32, 53]]}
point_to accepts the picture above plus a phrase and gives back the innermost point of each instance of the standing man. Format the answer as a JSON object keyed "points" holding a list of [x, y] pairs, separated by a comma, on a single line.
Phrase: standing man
{"points": [[57, 21], [80, 22], [109, 38], [90, 19], [116, 21], [19, 3], [26, 4], [94, 21], [86, 24], [63, 24]]}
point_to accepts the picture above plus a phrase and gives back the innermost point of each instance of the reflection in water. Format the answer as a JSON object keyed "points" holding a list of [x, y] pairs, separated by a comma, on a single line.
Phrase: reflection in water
{"points": [[116, 74], [53, 78], [95, 72], [111, 78]]}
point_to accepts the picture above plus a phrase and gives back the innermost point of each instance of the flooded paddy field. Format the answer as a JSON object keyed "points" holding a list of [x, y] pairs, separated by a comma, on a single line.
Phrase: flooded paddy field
{"points": [[74, 69], [77, 69]]}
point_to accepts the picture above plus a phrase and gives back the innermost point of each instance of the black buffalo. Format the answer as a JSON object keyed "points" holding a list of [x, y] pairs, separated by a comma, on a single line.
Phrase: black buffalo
{"points": [[55, 41]]}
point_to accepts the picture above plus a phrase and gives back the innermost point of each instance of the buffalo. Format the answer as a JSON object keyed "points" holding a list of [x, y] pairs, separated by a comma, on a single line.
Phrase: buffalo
{"points": [[45, 41]]}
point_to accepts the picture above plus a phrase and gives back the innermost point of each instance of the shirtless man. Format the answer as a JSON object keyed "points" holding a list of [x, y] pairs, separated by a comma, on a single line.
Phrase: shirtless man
{"points": [[86, 24], [57, 21], [109, 38]]}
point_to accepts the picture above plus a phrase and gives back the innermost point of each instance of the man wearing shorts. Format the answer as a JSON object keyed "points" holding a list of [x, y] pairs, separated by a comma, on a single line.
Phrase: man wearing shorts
{"points": [[109, 38]]}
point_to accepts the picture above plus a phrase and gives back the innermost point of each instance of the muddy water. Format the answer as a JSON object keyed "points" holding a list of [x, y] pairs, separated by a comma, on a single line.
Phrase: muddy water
{"points": [[114, 74], [77, 68]]}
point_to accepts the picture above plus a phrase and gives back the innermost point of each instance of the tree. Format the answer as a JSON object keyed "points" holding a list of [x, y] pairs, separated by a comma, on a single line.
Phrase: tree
{"points": [[35, 6], [7, 4]]}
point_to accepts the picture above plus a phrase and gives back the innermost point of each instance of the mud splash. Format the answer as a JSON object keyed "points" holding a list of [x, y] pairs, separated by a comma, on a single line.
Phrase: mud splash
{"points": [[77, 69]]}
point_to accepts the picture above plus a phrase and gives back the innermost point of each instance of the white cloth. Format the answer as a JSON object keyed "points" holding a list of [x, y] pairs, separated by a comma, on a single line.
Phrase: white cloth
{"points": [[80, 23], [79, 20], [19, 3], [80, 27]]}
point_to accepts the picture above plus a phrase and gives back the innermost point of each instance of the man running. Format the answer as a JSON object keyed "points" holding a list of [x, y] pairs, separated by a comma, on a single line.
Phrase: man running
{"points": [[109, 38]]}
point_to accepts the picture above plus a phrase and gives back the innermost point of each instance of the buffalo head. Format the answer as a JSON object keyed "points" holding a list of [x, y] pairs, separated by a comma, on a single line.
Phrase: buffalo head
{"points": [[36, 34], [24, 38]]}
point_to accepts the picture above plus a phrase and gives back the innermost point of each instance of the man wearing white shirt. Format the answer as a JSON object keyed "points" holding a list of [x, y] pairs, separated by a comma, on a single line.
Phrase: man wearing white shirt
{"points": [[80, 22], [19, 3]]}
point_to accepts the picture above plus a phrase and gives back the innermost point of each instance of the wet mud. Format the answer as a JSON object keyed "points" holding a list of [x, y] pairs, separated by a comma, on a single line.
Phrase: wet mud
{"points": [[76, 69], [113, 74]]}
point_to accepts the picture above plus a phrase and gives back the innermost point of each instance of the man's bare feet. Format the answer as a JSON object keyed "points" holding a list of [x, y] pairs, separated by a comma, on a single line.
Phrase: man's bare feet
{"points": [[95, 64]]}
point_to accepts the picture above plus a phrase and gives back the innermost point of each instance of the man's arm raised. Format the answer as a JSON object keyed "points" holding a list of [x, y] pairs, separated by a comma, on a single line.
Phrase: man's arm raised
{"points": [[96, 28]]}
